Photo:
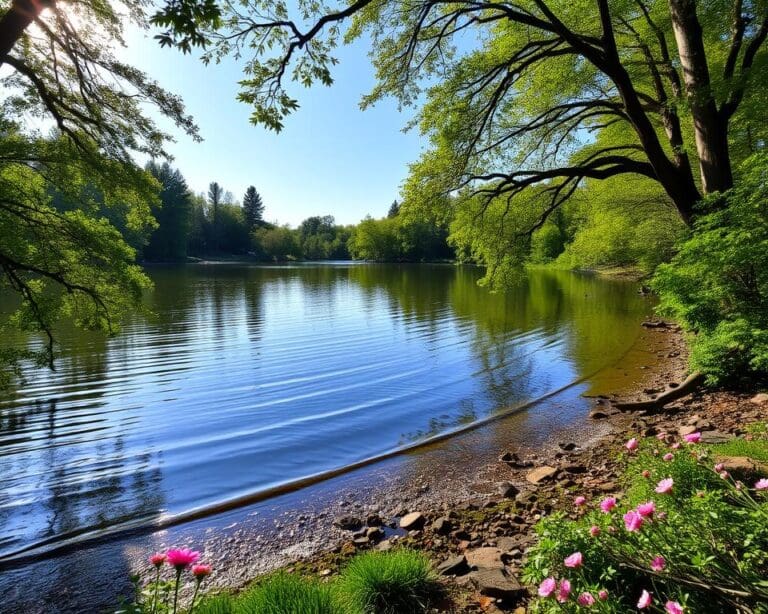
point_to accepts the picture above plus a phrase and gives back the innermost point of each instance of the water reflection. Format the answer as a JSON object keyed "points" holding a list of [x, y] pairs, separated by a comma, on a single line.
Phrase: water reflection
{"points": [[245, 378]]}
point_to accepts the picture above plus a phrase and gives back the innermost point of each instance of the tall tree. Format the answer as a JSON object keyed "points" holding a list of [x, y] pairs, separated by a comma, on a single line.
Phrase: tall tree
{"points": [[394, 209], [253, 208], [168, 242], [552, 93], [215, 199]]}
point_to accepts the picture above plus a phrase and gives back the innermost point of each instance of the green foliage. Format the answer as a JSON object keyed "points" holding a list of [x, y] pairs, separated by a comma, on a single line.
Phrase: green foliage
{"points": [[278, 243], [397, 582], [717, 284], [756, 449], [283, 593], [710, 531], [223, 603], [253, 208], [168, 243]]}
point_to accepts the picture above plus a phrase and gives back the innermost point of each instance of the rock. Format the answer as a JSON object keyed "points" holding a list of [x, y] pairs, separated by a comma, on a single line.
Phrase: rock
{"points": [[655, 324], [514, 461], [742, 466], [374, 520], [348, 523], [760, 399], [567, 446], [508, 490], [715, 437], [498, 584], [453, 566], [384, 546], [541, 474], [575, 469], [598, 414], [374, 534], [485, 558], [442, 526], [686, 430], [507, 544], [412, 521]]}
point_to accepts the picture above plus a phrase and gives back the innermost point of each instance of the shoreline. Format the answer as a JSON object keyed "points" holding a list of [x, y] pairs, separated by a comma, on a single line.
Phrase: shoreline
{"points": [[296, 530]]}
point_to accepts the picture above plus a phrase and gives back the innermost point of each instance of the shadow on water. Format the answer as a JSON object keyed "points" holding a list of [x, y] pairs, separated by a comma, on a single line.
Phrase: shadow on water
{"points": [[226, 394]]}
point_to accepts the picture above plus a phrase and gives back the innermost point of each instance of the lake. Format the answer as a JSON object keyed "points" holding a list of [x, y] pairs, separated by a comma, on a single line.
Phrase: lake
{"points": [[243, 381]]}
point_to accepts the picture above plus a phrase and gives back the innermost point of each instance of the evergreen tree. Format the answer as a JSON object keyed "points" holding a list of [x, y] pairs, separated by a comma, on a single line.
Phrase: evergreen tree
{"points": [[169, 241], [253, 208], [215, 198], [394, 209]]}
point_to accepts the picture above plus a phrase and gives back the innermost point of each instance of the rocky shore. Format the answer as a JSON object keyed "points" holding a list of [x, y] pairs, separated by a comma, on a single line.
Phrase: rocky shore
{"points": [[478, 540]]}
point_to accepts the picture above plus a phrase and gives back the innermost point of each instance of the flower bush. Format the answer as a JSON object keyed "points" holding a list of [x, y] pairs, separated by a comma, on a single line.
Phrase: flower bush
{"points": [[685, 537]]}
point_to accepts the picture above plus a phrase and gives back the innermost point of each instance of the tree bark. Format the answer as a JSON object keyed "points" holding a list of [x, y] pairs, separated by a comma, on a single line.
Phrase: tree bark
{"points": [[710, 130], [18, 18]]}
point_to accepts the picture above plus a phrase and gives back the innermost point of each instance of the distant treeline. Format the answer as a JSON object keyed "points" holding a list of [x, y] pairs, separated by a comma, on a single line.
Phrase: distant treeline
{"points": [[217, 225]]}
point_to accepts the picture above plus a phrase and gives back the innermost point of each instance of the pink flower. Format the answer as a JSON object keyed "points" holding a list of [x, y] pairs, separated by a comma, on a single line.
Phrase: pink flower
{"points": [[646, 509], [672, 607], [646, 473], [594, 530], [547, 587], [661, 436], [607, 504], [633, 521], [603, 595], [574, 561], [564, 591], [579, 501], [665, 486], [693, 438], [675, 445], [586, 599], [725, 475], [631, 445], [668, 456], [157, 559], [200, 571], [761, 484], [659, 563], [182, 558], [644, 601], [719, 467]]}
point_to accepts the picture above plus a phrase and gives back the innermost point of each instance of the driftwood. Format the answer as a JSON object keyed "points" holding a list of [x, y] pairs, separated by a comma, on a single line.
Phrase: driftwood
{"points": [[691, 383]]}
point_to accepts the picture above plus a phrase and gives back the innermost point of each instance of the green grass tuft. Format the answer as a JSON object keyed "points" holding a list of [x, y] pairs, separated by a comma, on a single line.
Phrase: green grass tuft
{"points": [[756, 449], [216, 604], [287, 594], [397, 582]]}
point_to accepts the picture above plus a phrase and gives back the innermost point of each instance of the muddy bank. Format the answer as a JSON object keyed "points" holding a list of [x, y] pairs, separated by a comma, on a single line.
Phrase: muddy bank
{"points": [[462, 473]]}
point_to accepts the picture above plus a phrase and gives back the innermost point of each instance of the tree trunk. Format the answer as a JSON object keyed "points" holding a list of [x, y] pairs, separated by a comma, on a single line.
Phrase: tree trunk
{"points": [[16, 20], [710, 130]]}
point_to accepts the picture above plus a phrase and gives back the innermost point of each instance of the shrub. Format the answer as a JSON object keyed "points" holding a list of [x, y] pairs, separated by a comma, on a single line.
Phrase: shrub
{"points": [[398, 582], [216, 604], [283, 593], [685, 534], [717, 284]]}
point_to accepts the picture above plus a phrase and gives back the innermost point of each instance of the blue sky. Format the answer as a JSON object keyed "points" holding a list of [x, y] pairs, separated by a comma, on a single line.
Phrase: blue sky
{"points": [[330, 158]]}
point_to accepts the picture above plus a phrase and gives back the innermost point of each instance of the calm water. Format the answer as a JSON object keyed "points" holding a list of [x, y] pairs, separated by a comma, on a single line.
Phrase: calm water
{"points": [[247, 378]]}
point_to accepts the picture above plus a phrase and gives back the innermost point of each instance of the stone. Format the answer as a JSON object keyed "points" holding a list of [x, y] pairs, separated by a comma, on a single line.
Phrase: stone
{"points": [[686, 430], [442, 526], [374, 520], [575, 469], [598, 414], [348, 523], [453, 566], [715, 437], [567, 446], [374, 534], [412, 521], [760, 398], [498, 584], [507, 544], [541, 474], [742, 466], [485, 558], [508, 490]]}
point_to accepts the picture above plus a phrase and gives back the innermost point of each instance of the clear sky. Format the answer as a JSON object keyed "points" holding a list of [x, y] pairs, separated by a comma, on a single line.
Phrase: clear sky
{"points": [[330, 158]]}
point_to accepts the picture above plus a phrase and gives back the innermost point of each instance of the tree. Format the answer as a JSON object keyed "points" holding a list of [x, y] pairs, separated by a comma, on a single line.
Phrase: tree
{"points": [[73, 262], [553, 92], [168, 242], [215, 198], [394, 209], [253, 208]]}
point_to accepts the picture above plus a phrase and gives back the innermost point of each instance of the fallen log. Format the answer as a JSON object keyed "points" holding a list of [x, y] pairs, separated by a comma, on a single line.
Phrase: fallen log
{"points": [[691, 383]]}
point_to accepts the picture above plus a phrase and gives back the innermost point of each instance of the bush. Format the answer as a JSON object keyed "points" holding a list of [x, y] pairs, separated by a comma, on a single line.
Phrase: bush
{"points": [[398, 582], [717, 284], [282, 593], [216, 604], [701, 544]]}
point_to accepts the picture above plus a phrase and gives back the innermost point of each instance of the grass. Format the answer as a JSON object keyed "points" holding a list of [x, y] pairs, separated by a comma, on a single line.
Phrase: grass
{"points": [[282, 593], [398, 582], [756, 449]]}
